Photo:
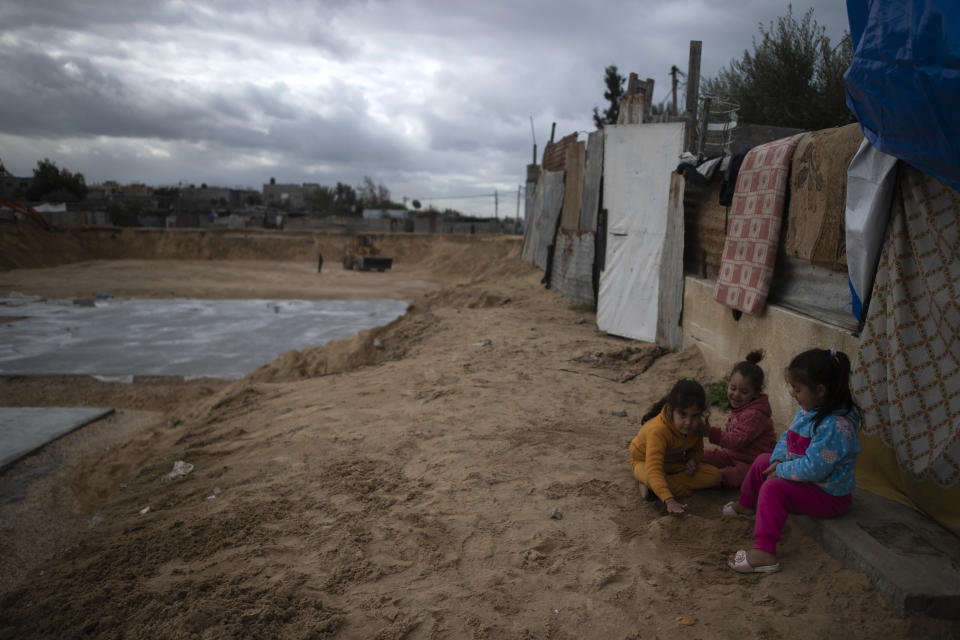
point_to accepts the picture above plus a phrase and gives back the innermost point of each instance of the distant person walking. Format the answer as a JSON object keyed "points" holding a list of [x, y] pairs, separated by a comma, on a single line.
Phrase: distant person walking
{"points": [[319, 262]]}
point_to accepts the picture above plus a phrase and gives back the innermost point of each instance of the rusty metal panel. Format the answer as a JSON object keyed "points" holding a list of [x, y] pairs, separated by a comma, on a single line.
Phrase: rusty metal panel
{"points": [[573, 186], [704, 229], [542, 228], [555, 153], [573, 259], [670, 294], [593, 172]]}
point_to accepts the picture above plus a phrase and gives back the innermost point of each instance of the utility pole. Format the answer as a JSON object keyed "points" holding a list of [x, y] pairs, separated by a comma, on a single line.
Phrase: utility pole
{"points": [[693, 92], [673, 74], [534, 134], [496, 204], [517, 219]]}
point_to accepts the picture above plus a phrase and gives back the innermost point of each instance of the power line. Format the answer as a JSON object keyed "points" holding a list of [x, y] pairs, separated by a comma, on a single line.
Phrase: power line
{"points": [[479, 195]]}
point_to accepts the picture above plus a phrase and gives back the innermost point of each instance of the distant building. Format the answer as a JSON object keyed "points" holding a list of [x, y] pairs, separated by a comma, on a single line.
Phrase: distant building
{"points": [[374, 214], [291, 195], [206, 198]]}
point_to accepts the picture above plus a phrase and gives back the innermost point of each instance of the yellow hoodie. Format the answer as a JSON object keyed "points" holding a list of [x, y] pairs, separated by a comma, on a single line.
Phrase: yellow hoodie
{"points": [[663, 451]]}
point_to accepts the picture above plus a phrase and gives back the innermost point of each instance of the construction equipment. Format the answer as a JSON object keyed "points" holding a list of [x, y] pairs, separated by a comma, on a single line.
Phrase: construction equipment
{"points": [[364, 255], [27, 212]]}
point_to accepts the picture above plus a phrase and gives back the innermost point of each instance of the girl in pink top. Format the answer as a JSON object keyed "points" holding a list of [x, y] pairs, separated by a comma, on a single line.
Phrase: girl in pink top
{"points": [[748, 429]]}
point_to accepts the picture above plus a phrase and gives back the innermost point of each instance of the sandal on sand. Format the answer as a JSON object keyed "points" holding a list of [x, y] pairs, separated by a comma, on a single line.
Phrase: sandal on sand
{"points": [[730, 512], [739, 564]]}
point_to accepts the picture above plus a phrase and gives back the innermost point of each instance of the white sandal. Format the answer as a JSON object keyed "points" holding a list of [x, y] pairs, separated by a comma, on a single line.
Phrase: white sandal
{"points": [[730, 512], [740, 564]]}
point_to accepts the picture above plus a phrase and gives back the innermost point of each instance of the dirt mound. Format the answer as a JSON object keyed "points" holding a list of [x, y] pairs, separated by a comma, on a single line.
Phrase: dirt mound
{"points": [[628, 363], [24, 245], [339, 356]]}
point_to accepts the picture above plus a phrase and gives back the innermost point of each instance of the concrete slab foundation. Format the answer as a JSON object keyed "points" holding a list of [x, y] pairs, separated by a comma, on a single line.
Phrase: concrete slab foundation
{"points": [[23, 430], [912, 561]]}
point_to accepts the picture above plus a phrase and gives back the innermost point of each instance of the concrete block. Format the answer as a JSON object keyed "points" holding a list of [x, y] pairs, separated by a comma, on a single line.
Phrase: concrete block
{"points": [[911, 560], [23, 430]]}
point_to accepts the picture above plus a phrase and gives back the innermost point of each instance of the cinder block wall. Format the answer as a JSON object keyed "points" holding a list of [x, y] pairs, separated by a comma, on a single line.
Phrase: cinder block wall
{"points": [[781, 333]]}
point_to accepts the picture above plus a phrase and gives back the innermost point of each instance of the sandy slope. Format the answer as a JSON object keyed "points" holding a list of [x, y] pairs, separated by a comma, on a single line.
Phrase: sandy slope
{"points": [[402, 492]]}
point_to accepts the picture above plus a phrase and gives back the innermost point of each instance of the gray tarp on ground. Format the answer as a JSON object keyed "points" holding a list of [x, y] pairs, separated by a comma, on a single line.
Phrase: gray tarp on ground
{"points": [[572, 275], [23, 430], [542, 227], [118, 338]]}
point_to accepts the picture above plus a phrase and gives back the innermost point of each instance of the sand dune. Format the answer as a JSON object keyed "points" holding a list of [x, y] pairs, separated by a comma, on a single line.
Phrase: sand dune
{"points": [[467, 479]]}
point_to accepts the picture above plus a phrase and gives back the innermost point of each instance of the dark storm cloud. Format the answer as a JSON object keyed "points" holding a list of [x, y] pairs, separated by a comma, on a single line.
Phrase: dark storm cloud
{"points": [[152, 20], [430, 95], [71, 97], [49, 97]]}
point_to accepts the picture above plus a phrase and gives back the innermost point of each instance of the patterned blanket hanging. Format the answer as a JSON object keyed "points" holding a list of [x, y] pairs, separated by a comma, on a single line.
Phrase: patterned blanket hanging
{"points": [[907, 376], [753, 231]]}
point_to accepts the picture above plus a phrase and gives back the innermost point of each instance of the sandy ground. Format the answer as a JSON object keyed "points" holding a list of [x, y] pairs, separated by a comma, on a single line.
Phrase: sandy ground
{"points": [[470, 479]]}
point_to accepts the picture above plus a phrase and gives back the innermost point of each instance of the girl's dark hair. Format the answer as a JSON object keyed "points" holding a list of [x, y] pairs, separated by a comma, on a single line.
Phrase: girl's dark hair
{"points": [[750, 370], [685, 393], [829, 368]]}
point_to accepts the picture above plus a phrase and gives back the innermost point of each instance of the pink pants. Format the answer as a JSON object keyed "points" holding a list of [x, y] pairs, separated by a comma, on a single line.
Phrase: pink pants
{"points": [[774, 498], [732, 470]]}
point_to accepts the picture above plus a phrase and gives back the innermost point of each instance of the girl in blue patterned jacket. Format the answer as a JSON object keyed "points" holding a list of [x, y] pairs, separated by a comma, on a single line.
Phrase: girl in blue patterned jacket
{"points": [[811, 469]]}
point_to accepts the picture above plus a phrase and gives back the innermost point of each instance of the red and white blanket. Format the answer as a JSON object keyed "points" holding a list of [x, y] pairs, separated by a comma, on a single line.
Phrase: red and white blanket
{"points": [[753, 230]]}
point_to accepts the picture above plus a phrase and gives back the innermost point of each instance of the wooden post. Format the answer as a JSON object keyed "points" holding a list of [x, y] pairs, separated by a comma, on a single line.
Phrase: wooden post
{"points": [[702, 136], [673, 74], [693, 91], [534, 134], [553, 130], [516, 220], [648, 99]]}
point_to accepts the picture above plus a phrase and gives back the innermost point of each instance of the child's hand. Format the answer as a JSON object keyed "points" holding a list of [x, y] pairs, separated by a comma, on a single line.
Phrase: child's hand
{"points": [[691, 466], [704, 429], [771, 471], [674, 507]]}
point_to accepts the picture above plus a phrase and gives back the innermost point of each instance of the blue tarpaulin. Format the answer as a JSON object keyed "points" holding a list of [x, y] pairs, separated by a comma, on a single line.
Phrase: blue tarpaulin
{"points": [[904, 81]]}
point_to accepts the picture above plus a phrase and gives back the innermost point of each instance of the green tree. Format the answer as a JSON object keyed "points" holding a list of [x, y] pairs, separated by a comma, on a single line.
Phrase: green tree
{"points": [[51, 182], [322, 198], [614, 83], [793, 78], [367, 192], [345, 198], [375, 195]]}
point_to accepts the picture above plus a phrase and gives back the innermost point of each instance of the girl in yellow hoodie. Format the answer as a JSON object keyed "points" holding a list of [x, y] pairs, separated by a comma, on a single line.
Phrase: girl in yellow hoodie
{"points": [[666, 456]]}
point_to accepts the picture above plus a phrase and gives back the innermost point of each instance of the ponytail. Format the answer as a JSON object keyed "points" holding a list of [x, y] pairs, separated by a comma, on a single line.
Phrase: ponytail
{"points": [[831, 369], [749, 369]]}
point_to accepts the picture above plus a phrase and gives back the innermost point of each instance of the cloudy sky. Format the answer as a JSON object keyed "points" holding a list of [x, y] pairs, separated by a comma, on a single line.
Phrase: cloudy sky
{"points": [[431, 98]]}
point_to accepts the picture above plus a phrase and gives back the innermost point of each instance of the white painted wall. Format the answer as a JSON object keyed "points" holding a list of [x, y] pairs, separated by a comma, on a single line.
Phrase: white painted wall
{"points": [[637, 163]]}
